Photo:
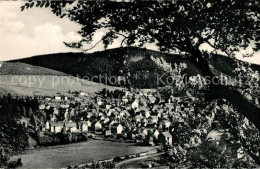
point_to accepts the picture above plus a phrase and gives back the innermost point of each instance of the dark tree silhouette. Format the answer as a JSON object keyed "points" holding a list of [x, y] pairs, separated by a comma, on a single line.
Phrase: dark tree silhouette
{"points": [[226, 25]]}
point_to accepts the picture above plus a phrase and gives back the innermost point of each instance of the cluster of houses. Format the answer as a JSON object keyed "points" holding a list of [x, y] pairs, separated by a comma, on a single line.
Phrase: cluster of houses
{"points": [[139, 115], [143, 116]]}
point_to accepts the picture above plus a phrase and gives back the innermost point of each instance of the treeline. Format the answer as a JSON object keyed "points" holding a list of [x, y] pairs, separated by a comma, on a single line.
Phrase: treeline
{"points": [[116, 94], [13, 135], [52, 139]]}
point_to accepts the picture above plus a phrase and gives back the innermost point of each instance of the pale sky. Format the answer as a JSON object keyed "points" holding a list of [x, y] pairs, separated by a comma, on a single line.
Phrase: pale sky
{"points": [[38, 31]]}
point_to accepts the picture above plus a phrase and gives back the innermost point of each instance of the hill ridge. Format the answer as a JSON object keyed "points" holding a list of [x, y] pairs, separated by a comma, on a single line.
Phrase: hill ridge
{"points": [[112, 61]]}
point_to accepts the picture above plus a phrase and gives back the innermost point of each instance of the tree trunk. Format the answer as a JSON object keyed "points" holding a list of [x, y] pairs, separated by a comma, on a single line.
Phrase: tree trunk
{"points": [[239, 102], [201, 63], [231, 94]]}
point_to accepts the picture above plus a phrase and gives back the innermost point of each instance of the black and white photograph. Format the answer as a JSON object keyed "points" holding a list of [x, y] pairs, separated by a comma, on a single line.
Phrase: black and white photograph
{"points": [[123, 84]]}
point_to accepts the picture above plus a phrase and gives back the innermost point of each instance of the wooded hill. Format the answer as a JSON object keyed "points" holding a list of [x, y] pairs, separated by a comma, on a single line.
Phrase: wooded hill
{"points": [[129, 59]]}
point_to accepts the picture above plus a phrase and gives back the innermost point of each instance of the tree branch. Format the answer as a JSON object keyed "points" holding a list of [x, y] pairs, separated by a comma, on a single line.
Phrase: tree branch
{"points": [[85, 50], [123, 41], [125, 37]]}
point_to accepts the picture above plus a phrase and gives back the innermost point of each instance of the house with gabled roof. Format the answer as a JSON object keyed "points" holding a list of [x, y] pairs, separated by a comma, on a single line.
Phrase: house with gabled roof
{"points": [[165, 115], [66, 114], [166, 123], [156, 133], [160, 110], [124, 100], [118, 109], [144, 120], [165, 138], [97, 126], [138, 118], [99, 101], [153, 119], [150, 127], [53, 117], [116, 128], [109, 112], [116, 102], [47, 107], [64, 106], [70, 126], [115, 114], [135, 104], [122, 113], [84, 126], [42, 106], [191, 109], [82, 93], [109, 124], [89, 123], [181, 120], [128, 107], [151, 99], [178, 108], [107, 133], [57, 96], [108, 106], [103, 117], [54, 127], [155, 107], [106, 120], [169, 105], [56, 111], [145, 112]]}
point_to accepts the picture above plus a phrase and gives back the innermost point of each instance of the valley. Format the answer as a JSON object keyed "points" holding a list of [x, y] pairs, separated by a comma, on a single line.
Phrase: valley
{"points": [[80, 104]]}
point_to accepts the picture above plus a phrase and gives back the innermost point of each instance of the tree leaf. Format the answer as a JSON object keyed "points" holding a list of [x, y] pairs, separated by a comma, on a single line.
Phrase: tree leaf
{"points": [[38, 3], [47, 4], [62, 16], [31, 5], [42, 4]]}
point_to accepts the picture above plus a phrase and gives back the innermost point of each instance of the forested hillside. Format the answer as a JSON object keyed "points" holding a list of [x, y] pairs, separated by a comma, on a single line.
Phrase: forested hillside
{"points": [[112, 62], [119, 61], [14, 137]]}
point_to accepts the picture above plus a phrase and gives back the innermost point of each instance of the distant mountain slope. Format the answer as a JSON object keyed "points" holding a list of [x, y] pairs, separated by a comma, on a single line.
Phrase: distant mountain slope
{"points": [[109, 61], [132, 59], [17, 68]]}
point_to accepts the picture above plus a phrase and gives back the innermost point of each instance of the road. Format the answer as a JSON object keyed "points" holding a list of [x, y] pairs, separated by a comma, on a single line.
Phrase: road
{"points": [[123, 163]]}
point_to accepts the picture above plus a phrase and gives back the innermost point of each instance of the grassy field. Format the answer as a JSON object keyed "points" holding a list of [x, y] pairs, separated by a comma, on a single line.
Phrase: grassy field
{"points": [[47, 85], [18, 68], [78, 153]]}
